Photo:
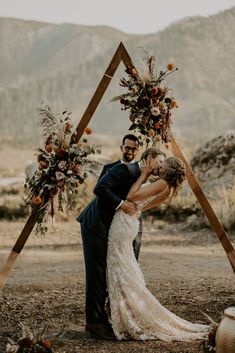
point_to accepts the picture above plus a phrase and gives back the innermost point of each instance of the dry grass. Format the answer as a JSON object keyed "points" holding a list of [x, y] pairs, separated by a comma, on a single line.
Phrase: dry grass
{"points": [[224, 206]]}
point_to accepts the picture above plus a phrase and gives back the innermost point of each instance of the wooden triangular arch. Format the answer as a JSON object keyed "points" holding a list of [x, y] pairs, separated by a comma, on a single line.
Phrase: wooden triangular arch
{"points": [[121, 54]]}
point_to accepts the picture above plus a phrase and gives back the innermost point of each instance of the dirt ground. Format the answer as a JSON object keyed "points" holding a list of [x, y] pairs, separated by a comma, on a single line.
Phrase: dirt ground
{"points": [[187, 271]]}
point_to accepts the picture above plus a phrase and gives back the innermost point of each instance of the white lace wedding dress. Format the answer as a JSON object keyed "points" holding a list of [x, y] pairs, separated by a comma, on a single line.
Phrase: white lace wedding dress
{"points": [[135, 312]]}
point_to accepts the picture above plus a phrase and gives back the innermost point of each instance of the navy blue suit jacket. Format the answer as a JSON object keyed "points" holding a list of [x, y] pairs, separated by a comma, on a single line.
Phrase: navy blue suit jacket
{"points": [[110, 190], [107, 167]]}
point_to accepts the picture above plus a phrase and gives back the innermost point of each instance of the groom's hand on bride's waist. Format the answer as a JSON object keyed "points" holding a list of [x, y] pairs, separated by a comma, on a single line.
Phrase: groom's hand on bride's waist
{"points": [[128, 207]]}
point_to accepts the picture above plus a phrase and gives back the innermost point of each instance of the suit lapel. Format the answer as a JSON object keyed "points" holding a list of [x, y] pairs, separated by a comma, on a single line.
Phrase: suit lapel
{"points": [[134, 169]]}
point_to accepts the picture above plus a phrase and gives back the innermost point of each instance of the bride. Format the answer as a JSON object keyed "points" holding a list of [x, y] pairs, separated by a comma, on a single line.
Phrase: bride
{"points": [[134, 312]]}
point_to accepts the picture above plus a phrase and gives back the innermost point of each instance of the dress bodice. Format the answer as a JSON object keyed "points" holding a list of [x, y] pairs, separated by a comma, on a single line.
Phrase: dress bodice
{"points": [[142, 203]]}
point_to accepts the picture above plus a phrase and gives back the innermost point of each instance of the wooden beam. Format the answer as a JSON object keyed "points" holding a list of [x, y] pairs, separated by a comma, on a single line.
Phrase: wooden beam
{"points": [[126, 57], [8, 265], [208, 210]]}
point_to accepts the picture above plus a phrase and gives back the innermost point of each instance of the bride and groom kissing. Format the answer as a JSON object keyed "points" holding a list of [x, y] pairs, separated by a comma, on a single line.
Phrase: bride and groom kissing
{"points": [[118, 304]]}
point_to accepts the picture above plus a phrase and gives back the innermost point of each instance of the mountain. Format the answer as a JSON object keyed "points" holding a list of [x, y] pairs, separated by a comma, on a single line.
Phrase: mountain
{"points": [[63, 64]]}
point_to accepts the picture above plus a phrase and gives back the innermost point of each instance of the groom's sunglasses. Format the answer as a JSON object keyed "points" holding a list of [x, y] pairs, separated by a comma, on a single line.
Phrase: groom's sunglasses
{"points": [[132, 149]]}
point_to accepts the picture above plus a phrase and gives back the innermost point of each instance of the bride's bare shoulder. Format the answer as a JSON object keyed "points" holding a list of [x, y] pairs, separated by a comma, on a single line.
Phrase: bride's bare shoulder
{"points": [[161, 185]]}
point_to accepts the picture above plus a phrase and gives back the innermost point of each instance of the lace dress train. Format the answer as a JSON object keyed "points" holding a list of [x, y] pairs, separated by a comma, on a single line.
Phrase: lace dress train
{"points": [[135, 312]]}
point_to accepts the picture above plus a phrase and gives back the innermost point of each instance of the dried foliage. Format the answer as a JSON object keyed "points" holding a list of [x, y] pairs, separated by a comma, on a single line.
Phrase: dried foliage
{"points": [[224, 206], [61, 166]]}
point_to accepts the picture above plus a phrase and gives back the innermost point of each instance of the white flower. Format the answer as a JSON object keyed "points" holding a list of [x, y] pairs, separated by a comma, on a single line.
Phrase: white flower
{"points": [[155, 111], [62, 165], [12, 348], [59, 176], [162, 106], [69, 172]]}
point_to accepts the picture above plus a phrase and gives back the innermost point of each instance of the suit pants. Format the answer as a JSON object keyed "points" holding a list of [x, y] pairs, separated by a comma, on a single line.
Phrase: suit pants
{"points": [[95, 253]]}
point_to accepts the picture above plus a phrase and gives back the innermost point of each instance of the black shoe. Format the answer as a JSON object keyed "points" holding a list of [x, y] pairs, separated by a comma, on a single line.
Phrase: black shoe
{"points": [[100, 331]]}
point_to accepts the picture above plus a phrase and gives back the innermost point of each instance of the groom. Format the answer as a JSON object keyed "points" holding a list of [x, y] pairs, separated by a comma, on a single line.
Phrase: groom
{"points": [[129, 149], [111, 191]]}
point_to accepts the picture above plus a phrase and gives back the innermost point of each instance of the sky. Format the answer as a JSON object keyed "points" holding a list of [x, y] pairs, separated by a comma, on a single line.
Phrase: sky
{"points": [[139, 16]]}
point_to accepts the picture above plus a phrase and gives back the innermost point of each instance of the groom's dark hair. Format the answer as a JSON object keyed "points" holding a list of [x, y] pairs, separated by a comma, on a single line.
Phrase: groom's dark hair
{"points": [[130, 137], [153, 152]]}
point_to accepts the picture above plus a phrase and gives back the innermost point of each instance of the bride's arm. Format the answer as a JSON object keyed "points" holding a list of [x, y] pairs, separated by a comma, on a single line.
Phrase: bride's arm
{"points": [[137, 193], [158, 199], [145, 172], [136, 186]]}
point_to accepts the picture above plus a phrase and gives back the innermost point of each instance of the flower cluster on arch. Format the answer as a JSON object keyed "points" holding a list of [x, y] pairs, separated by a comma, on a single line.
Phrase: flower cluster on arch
{"points": [[61, 166], [149, 102]]}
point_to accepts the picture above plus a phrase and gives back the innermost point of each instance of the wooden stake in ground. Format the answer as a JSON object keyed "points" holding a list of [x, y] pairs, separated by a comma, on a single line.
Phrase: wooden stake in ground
{"points": [[121, 54]]}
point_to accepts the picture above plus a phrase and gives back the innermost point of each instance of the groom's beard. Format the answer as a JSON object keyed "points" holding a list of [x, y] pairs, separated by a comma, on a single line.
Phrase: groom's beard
{"points": [[128, 157]]}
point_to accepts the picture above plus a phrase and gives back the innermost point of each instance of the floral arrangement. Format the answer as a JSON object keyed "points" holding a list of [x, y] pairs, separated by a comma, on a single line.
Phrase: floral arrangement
{"points": [[29, 345], [60, 166], [149, 102], [29, 342], [209, 345]]}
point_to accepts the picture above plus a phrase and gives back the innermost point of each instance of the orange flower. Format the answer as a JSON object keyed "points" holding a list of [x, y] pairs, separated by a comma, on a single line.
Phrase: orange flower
{"points": [[45, 343], [166, 146], [37, 200], [151, 132], [48, 148], [133, 71], [157, 125], [88, 130], [173, 104], [67, 126], [43, 165], [170, 67]]}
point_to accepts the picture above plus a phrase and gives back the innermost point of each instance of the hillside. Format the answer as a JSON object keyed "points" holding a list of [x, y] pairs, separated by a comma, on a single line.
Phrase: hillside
{"points": [[63, 64]]}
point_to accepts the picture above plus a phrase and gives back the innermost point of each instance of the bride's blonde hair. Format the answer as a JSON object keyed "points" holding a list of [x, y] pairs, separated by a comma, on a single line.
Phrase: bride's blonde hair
{"points": [[174, 173]]}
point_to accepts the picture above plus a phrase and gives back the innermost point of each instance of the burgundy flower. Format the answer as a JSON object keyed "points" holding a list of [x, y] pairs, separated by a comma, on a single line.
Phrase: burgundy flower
{"points": [[154, 90], [124, 101], [132, 118], [142, 102], [25, 342]]}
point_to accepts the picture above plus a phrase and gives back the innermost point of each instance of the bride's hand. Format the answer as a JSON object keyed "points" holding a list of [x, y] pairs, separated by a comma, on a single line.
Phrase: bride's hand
{"points": [[146, 168]]}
